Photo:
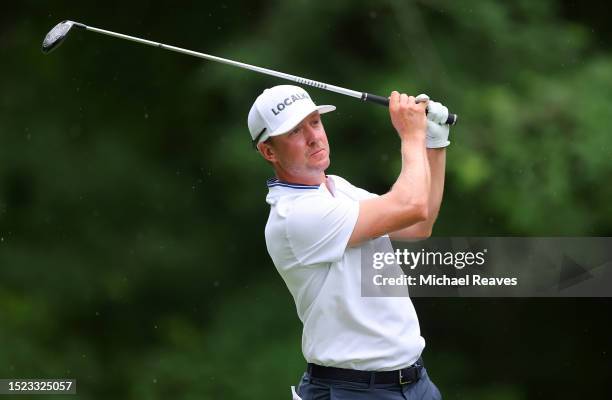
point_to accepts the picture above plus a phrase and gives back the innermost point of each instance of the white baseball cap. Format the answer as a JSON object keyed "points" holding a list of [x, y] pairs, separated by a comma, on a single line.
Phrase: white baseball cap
{"points": [[279, 109]]}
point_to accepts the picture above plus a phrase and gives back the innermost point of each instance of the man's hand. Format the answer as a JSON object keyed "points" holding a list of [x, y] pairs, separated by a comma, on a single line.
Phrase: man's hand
{"points": [[407, 116], [437, 129], [437, 135]]}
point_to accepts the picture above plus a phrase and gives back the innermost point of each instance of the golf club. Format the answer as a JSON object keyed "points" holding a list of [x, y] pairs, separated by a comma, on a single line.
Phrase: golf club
{"points": [[59, 32]]}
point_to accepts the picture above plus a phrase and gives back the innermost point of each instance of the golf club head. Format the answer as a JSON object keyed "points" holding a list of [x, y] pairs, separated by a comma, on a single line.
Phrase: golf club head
{"points": [[56, 36]]}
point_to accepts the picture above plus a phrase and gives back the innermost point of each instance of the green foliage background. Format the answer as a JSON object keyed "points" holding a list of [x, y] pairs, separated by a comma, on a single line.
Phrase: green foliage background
{"points": [[132, 255]]}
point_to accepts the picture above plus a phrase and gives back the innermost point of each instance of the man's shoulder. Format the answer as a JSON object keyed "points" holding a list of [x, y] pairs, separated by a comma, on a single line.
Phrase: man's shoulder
{"points": [[305, 205], [338, 180], [342, 183], [347, 187], [298, 196]]}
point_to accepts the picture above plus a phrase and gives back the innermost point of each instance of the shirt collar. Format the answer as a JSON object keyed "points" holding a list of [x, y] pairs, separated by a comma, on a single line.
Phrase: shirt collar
{"points": [[273, 182]]}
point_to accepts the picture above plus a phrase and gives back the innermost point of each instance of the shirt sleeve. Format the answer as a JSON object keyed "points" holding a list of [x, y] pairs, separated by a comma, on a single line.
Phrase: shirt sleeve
{"points": [[319, 228], [359, 193], [365, 195]]}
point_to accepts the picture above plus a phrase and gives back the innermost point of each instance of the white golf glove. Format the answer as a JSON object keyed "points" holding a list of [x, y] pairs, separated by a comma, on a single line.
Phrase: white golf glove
{"points": [[437, 129]]}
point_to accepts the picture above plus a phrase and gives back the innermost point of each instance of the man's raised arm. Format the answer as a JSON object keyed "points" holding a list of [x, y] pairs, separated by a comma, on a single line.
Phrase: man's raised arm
{"points": [[407, 203]]}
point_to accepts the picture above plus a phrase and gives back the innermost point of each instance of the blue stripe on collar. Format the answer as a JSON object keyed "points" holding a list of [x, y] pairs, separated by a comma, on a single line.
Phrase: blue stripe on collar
{"points": [[275, 182]]}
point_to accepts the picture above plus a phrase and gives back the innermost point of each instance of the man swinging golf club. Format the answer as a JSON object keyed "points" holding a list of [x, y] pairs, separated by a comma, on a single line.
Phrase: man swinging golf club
{"points": [[356, 347]]}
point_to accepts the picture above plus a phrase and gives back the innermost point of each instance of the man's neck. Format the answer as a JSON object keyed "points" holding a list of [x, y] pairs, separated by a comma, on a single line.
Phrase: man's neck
{"points": [[315, 179]]}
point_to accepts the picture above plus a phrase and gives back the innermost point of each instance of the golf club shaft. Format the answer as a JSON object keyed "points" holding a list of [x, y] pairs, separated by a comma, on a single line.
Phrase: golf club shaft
{"points": [[452, 118]]}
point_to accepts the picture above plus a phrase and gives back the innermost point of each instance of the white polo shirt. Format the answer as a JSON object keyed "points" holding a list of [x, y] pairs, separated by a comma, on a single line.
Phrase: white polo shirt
{"points": [[306, 235]]}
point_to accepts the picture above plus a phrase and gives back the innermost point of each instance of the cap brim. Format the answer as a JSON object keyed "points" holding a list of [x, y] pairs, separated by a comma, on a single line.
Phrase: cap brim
{"points": [[298, 117]]}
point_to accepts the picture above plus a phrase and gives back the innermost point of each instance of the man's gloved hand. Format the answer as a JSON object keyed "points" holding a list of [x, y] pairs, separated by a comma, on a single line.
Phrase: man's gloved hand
{"points": [[437, 129], [437, 135]]}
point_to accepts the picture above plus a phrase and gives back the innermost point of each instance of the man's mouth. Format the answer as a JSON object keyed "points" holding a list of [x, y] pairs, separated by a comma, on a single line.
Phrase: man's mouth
{"points": [[317, 152]]}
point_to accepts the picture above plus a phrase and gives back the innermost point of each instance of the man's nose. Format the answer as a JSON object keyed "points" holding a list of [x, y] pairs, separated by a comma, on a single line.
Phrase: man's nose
{"points": [[313, 135]]}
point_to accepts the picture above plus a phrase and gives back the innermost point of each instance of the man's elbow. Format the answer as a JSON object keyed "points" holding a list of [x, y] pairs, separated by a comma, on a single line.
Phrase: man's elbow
{"points": [[421, 212], [414, 233], [424, 233], [423, 228], [420, 232]]}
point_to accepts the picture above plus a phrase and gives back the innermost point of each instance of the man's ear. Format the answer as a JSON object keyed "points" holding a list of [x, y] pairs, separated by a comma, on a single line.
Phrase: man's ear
{"points": [[266, 151]]}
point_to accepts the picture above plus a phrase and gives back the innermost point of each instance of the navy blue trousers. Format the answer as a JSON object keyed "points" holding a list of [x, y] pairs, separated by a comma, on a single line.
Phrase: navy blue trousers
{"points": [[329, 389]]}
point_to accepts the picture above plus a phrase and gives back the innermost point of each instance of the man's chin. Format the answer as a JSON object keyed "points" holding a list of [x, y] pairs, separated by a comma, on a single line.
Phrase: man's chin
{"points": [[321, 164]]}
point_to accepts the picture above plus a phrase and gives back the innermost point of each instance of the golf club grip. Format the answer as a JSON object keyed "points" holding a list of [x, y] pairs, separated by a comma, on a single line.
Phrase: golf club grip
{"points": [[384, 101]]}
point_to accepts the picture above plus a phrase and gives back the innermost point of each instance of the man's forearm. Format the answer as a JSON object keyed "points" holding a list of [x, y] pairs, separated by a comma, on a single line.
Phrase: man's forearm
{"points": [[437, 168], [414, 181]]}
